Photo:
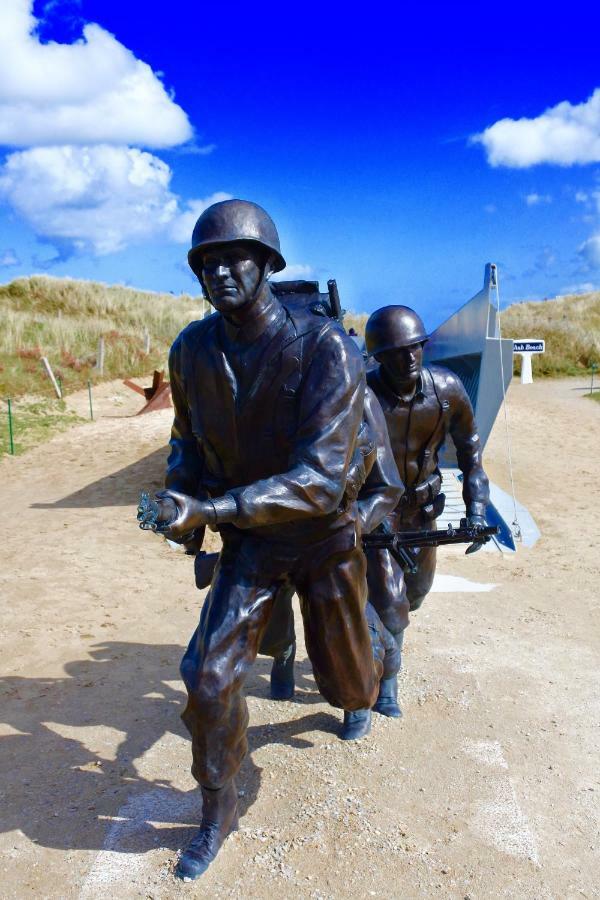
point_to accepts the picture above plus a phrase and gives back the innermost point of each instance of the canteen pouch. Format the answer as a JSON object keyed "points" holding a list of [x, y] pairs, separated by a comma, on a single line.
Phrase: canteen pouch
{"points": [[204, 568]]}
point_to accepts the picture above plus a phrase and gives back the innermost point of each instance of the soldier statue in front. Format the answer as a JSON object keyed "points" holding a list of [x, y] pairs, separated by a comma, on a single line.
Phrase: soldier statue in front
{"points": [[268, 404]]}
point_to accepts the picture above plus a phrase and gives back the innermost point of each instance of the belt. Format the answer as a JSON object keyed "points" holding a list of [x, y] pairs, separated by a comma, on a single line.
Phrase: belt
{"points": [[423, 493]]}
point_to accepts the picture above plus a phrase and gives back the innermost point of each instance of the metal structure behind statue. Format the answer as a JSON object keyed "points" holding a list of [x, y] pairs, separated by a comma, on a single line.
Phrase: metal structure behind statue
{"points": [[469, 344]]}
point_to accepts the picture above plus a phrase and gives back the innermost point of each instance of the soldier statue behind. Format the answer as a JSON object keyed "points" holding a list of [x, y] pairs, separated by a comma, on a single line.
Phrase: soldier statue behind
{"points": [[422, 405]]}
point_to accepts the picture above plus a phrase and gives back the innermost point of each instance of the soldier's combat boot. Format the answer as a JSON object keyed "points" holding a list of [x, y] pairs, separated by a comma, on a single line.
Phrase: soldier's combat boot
{"points": [[357, 724], [387, 701], [219, 818], [282, 674]]}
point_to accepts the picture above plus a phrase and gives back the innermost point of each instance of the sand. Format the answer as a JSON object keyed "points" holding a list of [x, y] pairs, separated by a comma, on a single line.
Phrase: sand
{"points": [[489, 786]]}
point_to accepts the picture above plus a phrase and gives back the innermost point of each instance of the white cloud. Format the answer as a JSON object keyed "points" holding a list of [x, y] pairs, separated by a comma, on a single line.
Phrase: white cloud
{"points": [[582, 288], [97, 199], [183, 225], [535, 199], [92, 91], [566, 134], [78, 108], [9, 258], [590, 251], [581, 197], [293, 272]]}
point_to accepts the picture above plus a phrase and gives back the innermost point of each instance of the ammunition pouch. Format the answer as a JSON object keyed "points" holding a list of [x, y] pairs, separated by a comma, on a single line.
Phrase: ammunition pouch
{"points": [[424, 494], [432, 510]]}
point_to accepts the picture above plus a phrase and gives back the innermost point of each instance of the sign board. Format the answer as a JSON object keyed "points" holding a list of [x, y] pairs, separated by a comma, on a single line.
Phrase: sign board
{"points": [[529, 346]]}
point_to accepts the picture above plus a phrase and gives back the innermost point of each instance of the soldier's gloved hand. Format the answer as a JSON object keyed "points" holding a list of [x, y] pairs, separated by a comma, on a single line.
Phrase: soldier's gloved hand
{"points": [[473, 522], [190, 514], [154, 514]]}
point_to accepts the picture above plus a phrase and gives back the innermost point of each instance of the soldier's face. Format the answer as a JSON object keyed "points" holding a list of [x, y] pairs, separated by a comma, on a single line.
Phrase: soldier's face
{"points": [[231, 274], [403, 363]]}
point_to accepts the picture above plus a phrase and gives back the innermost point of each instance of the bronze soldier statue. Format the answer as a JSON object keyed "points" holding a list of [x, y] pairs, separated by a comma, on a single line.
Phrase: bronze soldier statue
{"points": [[377, 497], [422, 405], [268, 404]]}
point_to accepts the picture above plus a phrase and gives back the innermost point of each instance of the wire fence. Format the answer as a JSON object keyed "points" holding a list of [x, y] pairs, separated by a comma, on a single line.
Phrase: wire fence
{"points": [[28, 418]]}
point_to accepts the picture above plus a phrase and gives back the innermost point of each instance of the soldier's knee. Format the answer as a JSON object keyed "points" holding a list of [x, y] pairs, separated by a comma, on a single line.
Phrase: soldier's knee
{"points": [[395, 618], [416, 602], [209, 689]]}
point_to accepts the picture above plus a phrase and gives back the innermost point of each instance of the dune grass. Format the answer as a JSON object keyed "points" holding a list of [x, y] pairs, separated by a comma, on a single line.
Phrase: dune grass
{"points": [[570, 325], [33, 422], [63, 319]]}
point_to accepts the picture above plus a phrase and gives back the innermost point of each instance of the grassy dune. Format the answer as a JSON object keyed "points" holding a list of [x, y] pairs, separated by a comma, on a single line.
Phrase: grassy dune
{"points": [[63, 320], [570, 325]]}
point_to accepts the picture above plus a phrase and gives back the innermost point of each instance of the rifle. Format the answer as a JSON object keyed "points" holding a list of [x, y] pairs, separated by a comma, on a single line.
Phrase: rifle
{"points": [[334, 300], [399, 543]]}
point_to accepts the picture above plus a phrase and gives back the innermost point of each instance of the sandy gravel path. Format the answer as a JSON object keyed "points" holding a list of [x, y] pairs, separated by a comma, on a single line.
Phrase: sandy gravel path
{"points": [[489, 787]]}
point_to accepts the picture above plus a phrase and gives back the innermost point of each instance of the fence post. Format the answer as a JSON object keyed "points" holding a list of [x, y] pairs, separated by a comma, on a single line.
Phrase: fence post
{"points": [[146, 341], [50, 373], [11, 442], [100, 357], [90, 398], [593, 368]]}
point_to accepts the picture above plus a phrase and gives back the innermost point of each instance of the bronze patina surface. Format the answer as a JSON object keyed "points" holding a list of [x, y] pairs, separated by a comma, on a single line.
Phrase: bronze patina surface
{"points": [[268, 407]]}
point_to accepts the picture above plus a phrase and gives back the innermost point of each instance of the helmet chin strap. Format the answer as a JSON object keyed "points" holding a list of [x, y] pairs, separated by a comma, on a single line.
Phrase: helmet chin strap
{"points": [[266, 271]]}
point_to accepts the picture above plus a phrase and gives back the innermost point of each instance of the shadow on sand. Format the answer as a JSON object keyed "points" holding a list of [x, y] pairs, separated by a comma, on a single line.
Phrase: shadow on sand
{"points": [[120, 488], [63, 776]]}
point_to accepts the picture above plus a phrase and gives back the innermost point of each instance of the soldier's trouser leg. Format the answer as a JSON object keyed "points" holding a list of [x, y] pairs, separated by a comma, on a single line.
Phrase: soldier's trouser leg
{"points": [[215, 666], [332, 599], [387, 590], [279, 634], [387, 593], [419, 585], [279, 641]]}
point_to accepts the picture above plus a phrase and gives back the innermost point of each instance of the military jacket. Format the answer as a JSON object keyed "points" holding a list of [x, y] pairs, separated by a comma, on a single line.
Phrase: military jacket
{"points": [[268, 414], [419, 427]]}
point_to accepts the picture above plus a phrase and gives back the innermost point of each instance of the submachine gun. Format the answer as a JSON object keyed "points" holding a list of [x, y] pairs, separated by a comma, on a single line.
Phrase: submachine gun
{"points": [[400, 543]]}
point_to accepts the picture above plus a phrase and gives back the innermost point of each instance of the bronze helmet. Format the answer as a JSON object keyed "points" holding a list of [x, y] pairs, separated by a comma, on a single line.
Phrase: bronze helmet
{"points": [[235, 220], [393, 327]]}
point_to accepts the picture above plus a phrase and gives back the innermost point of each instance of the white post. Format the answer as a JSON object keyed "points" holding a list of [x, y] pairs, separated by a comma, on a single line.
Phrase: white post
{"points": [[526, 347], [146, 342], [526, 372], [50, 375], [100, 356]]}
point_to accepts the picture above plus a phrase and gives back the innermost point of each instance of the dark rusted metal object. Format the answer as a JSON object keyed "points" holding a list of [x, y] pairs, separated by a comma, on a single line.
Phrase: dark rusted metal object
{"points": [[158, 395]]}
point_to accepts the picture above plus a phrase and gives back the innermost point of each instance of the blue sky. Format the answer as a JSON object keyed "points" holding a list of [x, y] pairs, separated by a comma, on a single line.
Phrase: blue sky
{"points": [[353, 126]]}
